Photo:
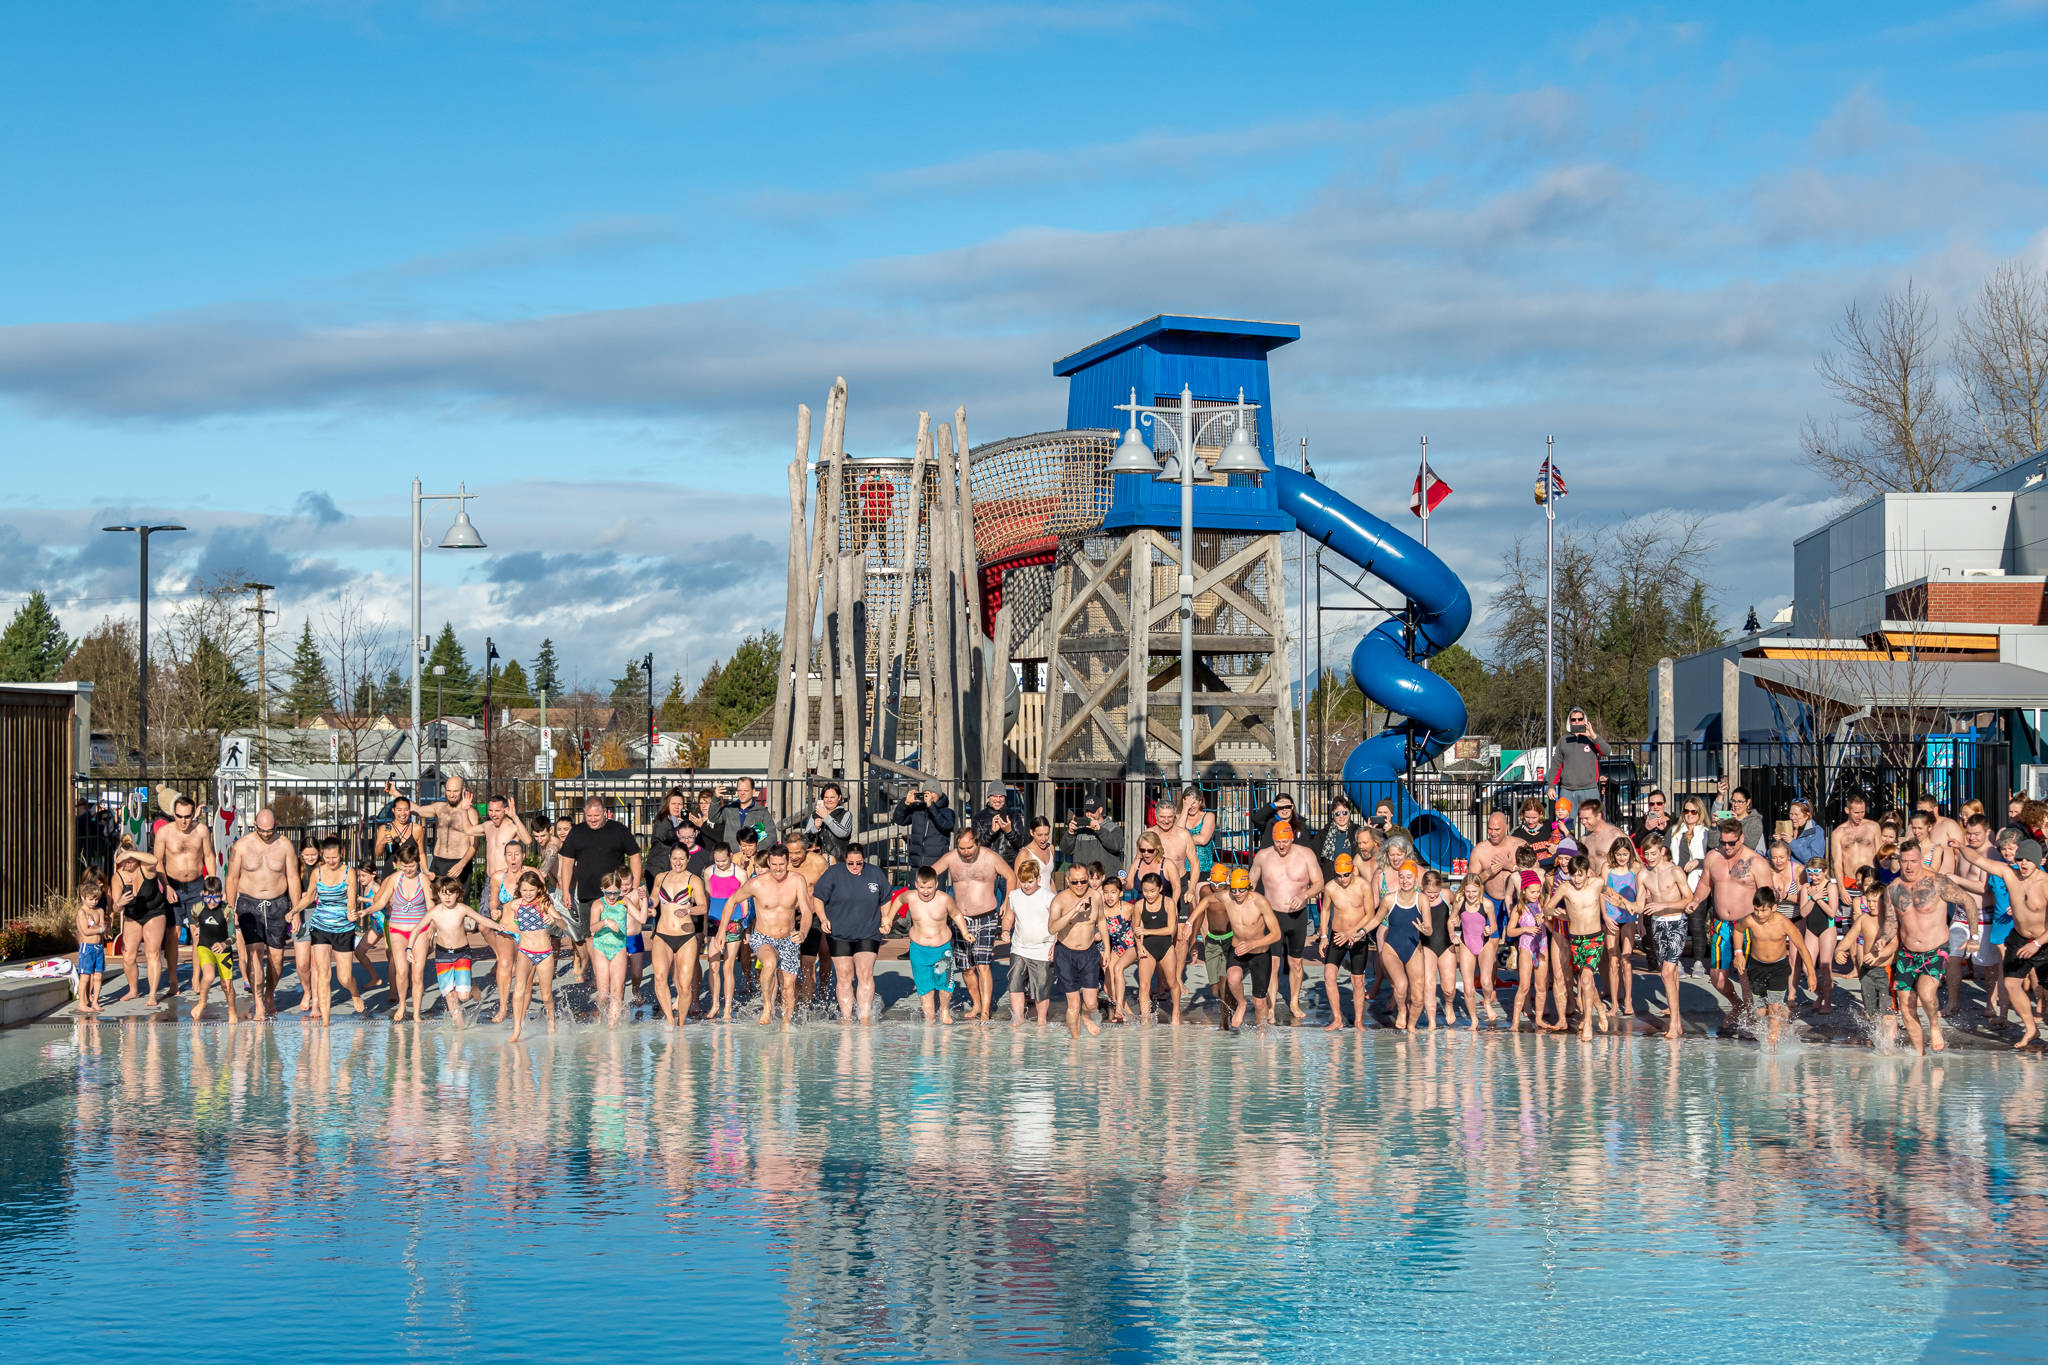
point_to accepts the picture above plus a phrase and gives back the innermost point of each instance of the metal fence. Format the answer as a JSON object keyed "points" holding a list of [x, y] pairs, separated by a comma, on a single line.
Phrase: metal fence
{"points": [[1953, 770]]}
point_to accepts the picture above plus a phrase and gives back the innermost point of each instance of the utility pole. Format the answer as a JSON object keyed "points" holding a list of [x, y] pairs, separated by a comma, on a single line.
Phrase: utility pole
{"points": [[262, 691]]}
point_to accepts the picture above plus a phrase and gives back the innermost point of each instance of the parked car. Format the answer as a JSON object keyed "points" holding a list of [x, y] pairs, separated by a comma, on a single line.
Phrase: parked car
{"points": [[1621, 792]]}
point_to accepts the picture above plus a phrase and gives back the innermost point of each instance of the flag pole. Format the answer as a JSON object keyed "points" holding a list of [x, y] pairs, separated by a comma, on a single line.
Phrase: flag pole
{"points": [[1301, 651], [1549, 604], [1422, 482]]}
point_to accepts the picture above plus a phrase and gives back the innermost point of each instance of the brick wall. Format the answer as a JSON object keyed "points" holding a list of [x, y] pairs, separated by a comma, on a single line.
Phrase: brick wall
{"points": [[1990, 600]]}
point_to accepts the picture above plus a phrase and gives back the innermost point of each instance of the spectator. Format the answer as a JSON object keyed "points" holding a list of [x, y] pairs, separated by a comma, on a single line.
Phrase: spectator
{"points": [[744, 810], [830, 823], [1740, 807], [1576, 772], [1340, 837], [1092, 837], [668, 825], [704, 814], [1656, 821], [1383, 822], [1272, 813], [1809, 840], [996, 826], [931, 822]]}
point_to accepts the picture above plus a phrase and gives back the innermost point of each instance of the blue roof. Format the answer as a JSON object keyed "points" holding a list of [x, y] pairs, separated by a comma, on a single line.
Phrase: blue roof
{"points": [[1271, 334]]}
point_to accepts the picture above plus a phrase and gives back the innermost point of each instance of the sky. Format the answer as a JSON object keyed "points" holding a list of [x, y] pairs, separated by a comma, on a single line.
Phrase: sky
{"points": [[264, 262]]}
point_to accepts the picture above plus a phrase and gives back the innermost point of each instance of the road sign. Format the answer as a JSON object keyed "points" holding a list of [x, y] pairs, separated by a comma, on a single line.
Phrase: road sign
{"points": [[547, 737], [334, 746], [548, 754], [543, 764], [234, 754]]}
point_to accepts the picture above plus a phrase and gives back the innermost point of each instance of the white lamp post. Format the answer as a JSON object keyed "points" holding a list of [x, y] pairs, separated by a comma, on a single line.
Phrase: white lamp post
{"points": [[1134, 457], [461, 536]]}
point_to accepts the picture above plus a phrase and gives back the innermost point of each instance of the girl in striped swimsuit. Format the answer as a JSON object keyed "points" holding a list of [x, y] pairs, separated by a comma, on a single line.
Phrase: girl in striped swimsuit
{"points": [[403, 898]]}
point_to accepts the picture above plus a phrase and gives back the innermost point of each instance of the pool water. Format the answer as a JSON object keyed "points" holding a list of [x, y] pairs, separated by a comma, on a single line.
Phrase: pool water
{"points": [[374, 1193]]}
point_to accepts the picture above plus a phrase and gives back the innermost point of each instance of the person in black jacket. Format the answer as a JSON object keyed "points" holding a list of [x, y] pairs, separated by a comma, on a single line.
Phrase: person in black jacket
{"points": [[829, 826], [1092, 837], [1272, 813], [1340, 837], [931, 822], [996, 826], [668, 823]]}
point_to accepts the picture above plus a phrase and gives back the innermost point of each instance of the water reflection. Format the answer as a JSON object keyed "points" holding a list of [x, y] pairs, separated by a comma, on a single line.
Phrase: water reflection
{"points": [[988, 1193]]}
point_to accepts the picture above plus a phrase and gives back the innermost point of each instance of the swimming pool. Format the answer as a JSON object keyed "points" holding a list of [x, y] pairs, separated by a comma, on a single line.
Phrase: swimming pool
{"points": [[383, 1193]]}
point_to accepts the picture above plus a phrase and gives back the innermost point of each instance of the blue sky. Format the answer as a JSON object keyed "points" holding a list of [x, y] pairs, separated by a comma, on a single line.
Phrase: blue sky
{"points": [[267, 260]]}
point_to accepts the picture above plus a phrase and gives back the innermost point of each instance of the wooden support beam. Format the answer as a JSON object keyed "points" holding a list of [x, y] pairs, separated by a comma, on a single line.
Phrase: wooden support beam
{"points": [[786, 667]]}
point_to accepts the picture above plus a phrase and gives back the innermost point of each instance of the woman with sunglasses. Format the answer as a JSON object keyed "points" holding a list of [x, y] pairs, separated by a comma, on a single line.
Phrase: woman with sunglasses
{"points": [[1819, 906], [1690, 844]]}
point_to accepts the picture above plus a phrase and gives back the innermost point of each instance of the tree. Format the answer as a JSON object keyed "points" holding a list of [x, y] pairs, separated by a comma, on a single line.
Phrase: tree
{"points": [[1887, 370], [358, 644], [629, 691], [105, 657], [394, 694], [458, 690], [311, 689], [200, 691], [33, 647], [746, 684], [2000, 358], [547, 679], [675, 707], [511, 688]]}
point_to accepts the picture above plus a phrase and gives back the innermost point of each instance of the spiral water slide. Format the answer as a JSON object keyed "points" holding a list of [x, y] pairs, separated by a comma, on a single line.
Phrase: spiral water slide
{"points": [[1431, 711]]}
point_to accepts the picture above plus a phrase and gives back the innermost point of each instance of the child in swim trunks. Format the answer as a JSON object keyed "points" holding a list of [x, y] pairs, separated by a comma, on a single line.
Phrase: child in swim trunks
{"points": [[1860, 944], [92, 941], [449, 922], [1766, 949], [213, 948]]}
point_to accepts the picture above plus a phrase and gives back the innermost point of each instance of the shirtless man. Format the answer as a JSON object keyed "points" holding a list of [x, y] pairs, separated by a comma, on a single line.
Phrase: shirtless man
{"points": [[406, 827], [1764, 957], [808, 861], [1733, 873], [783, 911], [1579, 895], [1076, 922], [1493, 862], [933, 918], [1916, 918], [1207, 930], [1346, 941], [455, 831], [1663, 900], [1177, 842], [1255, 935], [184, 853], [2026, 890], [1597, 835], [263, 886], [500, 828], [1853, 845], [1289, 878], [974, 871]]}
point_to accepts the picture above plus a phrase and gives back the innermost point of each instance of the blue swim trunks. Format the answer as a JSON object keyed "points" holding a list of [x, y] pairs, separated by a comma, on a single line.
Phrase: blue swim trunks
{"points": [[931, 969], [92, 959]]}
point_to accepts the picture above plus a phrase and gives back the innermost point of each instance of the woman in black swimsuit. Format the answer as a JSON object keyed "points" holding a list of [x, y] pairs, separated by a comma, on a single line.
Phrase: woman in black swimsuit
{"points": [[1440, 960], [1158, 942], [145, 911], [679, 908]]}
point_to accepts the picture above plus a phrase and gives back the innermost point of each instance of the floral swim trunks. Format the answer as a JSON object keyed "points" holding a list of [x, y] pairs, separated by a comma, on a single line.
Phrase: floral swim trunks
{"points": [[1586, 950], [788, 951], [1910, 967]]}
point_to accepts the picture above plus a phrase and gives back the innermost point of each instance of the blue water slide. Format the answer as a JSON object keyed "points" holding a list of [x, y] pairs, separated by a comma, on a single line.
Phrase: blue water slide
{"points": [[1432, 712]]}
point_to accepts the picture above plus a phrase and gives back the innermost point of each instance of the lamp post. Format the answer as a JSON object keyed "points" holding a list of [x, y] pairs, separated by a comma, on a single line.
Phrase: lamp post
{"points": [[461, 536], [262, 615], [490, 759], [648, 664], [142, 535], [1133, 456]]}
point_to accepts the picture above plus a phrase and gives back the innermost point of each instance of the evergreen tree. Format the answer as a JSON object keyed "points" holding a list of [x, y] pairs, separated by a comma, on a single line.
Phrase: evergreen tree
{"points": [[546, 672], [746, 684], [394, 694], [629, 693], [311, 690], [220, 697], [510, 688], [459, 690], [33, 647], [675, 707]]}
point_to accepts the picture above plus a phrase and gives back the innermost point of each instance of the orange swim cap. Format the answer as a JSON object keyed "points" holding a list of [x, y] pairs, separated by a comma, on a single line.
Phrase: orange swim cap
{"points": [[1220, 875], [1344, 863], [1240, 880], [1412, 866], [1283, 830]]}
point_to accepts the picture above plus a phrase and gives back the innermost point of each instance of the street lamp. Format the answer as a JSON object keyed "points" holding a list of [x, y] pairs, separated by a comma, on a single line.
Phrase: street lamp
{"points": [[1134, 457], [461, 536], [648, 664], [490, 763], [142, 535]]}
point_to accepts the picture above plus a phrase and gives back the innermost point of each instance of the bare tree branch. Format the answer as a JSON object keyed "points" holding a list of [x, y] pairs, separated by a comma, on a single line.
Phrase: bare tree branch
{"points": [[2001, 360]]}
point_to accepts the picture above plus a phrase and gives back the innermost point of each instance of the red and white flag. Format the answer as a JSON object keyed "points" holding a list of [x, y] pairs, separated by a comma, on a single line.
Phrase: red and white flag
{"points": [[1429, 491]]}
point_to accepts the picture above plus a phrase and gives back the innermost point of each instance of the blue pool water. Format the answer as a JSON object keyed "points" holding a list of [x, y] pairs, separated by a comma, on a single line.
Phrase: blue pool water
{"points": [[384, 1193]]}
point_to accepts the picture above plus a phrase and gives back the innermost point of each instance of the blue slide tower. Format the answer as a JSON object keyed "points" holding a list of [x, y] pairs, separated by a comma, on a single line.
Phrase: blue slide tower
{"points": [[1215, 358]]}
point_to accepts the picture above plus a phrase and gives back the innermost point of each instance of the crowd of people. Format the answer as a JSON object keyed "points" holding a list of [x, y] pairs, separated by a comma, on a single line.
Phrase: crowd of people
{"points": [[1541, 926]]}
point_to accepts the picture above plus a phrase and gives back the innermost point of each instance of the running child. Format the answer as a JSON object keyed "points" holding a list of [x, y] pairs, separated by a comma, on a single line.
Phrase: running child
{"points": [[1862, 944], [529, 917], [1475, 945], [213, 948], [447, 930], [1768, 942], [1622, 899], [1580, 899]]}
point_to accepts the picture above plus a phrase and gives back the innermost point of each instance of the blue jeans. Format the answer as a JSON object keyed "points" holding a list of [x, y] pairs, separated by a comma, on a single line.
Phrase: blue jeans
{"points": [[1577, 794]]}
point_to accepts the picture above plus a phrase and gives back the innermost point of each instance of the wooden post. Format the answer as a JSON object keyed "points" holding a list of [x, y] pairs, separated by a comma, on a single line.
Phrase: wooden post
{"points": [[1667, 730], [1138, 688], [814, 564], [995, 691], [973, 661], [786, 679], [1731, 723], [1061, 592], [852, 575], [826, 568], [890, 686], [945, 614], [927, 726], [1283, 706]]}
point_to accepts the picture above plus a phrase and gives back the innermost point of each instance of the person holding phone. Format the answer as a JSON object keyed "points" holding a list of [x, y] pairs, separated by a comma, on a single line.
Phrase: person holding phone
{"points": [[1576, 772]]}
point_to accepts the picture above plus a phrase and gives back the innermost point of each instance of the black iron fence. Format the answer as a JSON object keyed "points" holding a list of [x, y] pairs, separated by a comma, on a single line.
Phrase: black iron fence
{"points": [[1952, 770]]}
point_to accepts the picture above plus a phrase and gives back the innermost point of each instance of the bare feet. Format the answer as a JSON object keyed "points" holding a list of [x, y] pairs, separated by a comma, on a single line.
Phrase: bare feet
{"points": [[1333, 1026]]}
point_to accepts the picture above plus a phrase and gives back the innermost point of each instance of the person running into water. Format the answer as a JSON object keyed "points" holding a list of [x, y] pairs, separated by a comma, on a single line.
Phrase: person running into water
{"points": [[1077, 926], [1289, 878], [1027, 928], [1439, 946], [1119, 940], [263, 886], [1732, 874], [2026, 889], [92, 942], [976, 872], [721, 880], [1769, 939], [213, 948], [1581, 898], [1255, 936], [145, 912], [1401, 932], [403, 899], [1664, 902], [1532, 953], [933, 918], [1622, 899], [446, 934], [330, 904], [618, 915], [783, 911], [1862, 943], [1916, 916], [850, 897], [679, 898], [185, 857], [1818, 906], [529, 916], [1346, 941], [1210, 923], [1159, 944], [1474, 931]]}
